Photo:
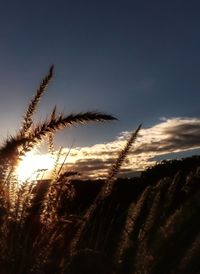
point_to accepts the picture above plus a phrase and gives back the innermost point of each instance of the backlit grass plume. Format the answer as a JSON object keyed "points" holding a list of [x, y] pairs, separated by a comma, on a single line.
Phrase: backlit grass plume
{"points": [[106, 190], [19, 145], [50, 137], [113, 172], [32, 107], [30, 135]]}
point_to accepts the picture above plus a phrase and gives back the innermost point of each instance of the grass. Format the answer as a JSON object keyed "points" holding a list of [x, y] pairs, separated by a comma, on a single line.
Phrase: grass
{"points": [[143, 225]]}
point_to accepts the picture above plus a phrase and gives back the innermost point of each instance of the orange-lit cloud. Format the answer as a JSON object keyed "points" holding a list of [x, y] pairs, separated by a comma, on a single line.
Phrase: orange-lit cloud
{"points": [[169, 136]]}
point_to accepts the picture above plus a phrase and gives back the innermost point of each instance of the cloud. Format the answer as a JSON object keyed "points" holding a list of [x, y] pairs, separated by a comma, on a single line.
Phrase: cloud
{"points": [[168, 136]]}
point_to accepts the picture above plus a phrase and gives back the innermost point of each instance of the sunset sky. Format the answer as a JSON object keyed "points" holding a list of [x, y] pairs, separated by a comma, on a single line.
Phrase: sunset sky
{"points": [[137, 60]]}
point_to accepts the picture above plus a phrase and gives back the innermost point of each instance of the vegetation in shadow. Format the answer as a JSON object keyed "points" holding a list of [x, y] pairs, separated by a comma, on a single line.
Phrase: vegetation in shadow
{"points": [[143, 225]]}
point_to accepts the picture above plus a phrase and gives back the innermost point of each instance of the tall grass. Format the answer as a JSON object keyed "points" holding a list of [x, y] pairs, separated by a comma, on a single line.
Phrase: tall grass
{"points": [[124, 227]]}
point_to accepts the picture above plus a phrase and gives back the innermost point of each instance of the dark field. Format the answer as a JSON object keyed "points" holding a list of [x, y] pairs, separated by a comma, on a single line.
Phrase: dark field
{"points": [[148, 224]]}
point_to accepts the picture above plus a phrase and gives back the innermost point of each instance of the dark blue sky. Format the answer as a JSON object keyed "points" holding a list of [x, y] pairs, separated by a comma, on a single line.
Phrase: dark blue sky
{"points": [[138, 60]]}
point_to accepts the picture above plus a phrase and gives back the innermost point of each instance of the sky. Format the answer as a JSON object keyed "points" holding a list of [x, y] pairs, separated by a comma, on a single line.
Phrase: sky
{"points": [[136, 60]]}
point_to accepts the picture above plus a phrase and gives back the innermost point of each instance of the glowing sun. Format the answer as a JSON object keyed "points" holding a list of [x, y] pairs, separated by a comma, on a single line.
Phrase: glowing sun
{"points": [[32, 165]]}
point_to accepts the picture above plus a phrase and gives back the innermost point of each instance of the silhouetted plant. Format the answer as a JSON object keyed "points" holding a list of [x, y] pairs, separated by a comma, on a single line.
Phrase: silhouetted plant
{"points": [[146, 225]]}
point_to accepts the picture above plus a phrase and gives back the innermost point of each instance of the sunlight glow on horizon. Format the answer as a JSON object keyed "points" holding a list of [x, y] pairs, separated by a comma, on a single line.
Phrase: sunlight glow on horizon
{"points": [[171, 136], [32, 165]]}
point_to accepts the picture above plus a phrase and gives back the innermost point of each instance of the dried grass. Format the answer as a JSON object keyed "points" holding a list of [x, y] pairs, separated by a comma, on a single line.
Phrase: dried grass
{"points": [[44, 229]]}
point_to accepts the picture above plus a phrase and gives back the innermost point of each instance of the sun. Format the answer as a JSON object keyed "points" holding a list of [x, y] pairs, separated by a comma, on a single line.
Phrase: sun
{"points": [[33, 166]]}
